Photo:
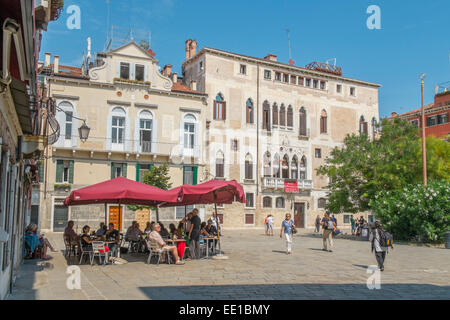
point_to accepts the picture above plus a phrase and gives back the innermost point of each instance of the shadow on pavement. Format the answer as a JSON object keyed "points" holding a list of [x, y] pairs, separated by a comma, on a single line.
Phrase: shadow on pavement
{"points": [[298, 291]]}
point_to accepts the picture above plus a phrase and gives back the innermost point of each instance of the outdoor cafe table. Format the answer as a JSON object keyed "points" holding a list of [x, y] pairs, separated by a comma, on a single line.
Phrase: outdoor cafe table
{"points": [[207, 244], [180, 248]]}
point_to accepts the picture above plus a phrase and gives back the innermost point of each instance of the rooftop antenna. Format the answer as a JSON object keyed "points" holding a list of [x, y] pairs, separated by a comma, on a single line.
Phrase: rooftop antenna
{"points": [[108, 19], [332, 59], [291, 62]]}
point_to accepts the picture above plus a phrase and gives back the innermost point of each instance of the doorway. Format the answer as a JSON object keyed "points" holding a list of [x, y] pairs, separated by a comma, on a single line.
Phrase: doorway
{"points": [[113, 217], [299, 214], [60, 218]]}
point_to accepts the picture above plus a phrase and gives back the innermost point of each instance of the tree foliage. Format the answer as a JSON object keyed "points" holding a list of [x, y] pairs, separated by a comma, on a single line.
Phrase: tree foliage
{"points": [[415, 212], [158, 177], [362, 167]]}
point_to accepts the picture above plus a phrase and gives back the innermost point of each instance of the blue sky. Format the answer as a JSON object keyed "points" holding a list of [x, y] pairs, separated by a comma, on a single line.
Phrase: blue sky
{"points": [[414, 36]]}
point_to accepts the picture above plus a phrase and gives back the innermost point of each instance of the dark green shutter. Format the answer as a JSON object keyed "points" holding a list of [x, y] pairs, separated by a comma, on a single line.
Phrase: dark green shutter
{"points": [[41, 171], [150, 167], [195, 175], [137, 171], [124, 170], [184, 169], [71, 167], [112, 170], [59, 170]]}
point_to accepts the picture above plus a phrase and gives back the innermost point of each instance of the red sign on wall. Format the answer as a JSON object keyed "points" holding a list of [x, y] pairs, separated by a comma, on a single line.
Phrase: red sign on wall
{"points": [[290, 186]]}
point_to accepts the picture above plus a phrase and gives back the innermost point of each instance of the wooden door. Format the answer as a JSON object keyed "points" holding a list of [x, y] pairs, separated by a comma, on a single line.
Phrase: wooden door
{"points": [[60, 218], [299, 214], [113, 217]]}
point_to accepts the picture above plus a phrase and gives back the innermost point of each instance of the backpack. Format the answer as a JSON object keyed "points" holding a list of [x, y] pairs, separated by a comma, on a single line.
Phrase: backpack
{"points": [[330, 225], [386, 239]]}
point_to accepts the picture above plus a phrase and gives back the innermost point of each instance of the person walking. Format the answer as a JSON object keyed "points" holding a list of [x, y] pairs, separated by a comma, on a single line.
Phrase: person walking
{"points": [[318, 220], [270, 225], [327, 236], [352, 221], [266, 226], [286, 227], [377, 245], [194, 235]]}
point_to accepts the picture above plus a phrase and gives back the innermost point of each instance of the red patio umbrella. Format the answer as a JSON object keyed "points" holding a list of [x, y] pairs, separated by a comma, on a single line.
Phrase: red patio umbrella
{"points": [[121, 191]]}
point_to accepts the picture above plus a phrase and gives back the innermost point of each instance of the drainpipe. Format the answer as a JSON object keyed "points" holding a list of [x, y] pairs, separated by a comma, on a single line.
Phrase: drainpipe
{"points": [[257, 131]]}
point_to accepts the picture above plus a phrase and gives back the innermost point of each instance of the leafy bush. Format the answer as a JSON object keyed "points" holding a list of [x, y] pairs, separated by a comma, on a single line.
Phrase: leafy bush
{"points": [[415, 212]]}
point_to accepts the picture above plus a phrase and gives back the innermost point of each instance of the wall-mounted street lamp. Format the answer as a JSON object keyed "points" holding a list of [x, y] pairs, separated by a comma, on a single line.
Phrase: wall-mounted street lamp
{"points": [[83, 131]]}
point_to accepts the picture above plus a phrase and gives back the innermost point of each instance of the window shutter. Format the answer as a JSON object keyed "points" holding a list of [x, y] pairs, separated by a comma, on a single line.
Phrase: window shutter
{"points": [[184, 175], [224, 110], [127, 134], [108, 132], [275, 116], [136, 141], [365, 127], [124, 170], [247, 114], [137, 171], [59, 170], [112, 170], [195, 175], [74, 129], [181, 145], [325, 124], [196, 141], [214, 110], [132, 71], [71, 168], [118, 70], [41, 171], [145, 73], [154, 136]]}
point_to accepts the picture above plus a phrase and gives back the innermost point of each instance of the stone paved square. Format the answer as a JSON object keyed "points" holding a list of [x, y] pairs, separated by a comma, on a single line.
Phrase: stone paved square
{"points": [[257, 268]]}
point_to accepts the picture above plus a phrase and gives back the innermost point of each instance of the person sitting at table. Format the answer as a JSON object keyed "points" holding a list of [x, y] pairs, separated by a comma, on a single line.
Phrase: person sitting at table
{"points": [[32, 229], [112, 235], [156, 236], [102, 230], [69, 233], [203, 231], [164, 233], [212, 231], [173, 231], [86, 240], [180, 228]]}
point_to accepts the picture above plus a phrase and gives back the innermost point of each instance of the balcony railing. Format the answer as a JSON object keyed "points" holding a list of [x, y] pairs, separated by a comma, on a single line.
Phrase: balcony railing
{"points": [[146, 147], [278, 183]]}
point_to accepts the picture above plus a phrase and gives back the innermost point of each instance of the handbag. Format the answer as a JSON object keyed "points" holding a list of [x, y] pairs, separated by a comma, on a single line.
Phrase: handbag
{"points": [[336, 231], [294, 230]]}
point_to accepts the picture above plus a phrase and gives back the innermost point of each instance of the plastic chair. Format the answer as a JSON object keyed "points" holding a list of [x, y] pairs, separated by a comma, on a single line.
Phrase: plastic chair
{"points": [[86, 251], [155, 250], [96, 247]]}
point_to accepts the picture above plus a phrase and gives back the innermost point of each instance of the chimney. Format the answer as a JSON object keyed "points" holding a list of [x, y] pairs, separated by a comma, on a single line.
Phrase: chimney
{"points": [[188, 48], [193, 48], [167, 70], [174, 77], [193, 85], [271, 57], [394, 114], [47, 59], [56, 64]]}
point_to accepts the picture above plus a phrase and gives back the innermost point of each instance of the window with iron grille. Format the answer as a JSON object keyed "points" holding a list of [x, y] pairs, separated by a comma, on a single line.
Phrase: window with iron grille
{"points": [[249, 218]]}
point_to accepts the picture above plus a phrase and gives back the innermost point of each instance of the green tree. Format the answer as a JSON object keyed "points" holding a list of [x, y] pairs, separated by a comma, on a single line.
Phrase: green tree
{"points": [[158, 177], [362, 167]]}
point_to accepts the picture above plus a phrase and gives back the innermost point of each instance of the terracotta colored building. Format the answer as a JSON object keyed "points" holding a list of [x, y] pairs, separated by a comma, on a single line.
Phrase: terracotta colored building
{"points": [[436, 116]]}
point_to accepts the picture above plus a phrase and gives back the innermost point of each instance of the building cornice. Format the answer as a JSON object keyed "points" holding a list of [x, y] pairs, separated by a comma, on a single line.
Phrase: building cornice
{"points": [[279, 65]]}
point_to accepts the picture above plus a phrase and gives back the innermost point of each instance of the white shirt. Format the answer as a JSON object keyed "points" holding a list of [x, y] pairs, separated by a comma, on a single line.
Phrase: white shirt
{"points": [[270, 220]]}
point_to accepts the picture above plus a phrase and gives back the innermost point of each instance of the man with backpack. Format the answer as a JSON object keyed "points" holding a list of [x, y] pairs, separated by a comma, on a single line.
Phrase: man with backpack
{"points": [[381, 241], [327, 236]]}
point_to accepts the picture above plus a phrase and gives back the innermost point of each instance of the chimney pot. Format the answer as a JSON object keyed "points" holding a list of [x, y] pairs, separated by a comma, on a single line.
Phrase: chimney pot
{"points": [[193, 49], [187, 48], [47, 59], [174, 77], [167, 71], [56, 64]]}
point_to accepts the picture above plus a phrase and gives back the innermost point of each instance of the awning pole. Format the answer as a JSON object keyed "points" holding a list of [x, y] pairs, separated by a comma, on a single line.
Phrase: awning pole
{"points": [[218, 227], [106, 213], [118, 227]]}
